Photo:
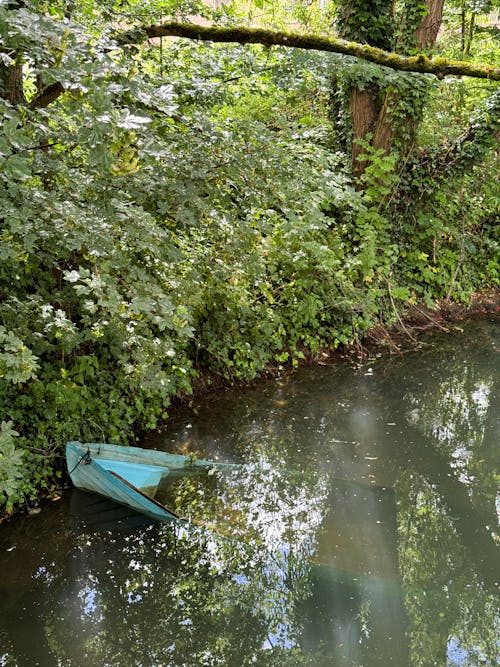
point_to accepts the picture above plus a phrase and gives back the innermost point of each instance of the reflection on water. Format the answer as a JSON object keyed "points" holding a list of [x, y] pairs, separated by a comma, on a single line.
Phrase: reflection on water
{"points": [[360, 531]]}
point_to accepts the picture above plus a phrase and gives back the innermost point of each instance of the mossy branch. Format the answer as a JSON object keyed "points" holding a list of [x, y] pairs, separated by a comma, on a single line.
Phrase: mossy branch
{"points": [[439, 67]]}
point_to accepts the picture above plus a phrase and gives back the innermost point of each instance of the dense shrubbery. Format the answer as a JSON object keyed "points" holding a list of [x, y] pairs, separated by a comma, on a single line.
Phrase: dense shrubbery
{"points": [[153, 227]]}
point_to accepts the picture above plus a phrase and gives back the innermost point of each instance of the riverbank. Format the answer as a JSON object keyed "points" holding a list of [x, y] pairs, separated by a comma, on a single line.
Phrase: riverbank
{"points": [[397, 338], [419, 319], [394, 495]]}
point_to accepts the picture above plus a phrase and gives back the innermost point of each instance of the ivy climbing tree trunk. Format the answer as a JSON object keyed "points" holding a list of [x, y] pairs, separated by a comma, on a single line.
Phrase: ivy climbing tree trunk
{"points": [[427, 32], [375, 109], [364, 113]]}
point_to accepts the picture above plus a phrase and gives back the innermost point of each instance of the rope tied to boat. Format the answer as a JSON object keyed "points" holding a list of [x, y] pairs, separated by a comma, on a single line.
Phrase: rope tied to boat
{"points": [[84, 458]]}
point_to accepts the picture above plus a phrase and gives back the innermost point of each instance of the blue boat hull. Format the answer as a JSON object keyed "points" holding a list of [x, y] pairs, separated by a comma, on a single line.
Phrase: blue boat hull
{"points": [[128, 474]]}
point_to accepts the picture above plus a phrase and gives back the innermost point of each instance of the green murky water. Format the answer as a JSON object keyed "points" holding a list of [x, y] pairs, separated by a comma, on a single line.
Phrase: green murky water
{"points": [[362, 530]]}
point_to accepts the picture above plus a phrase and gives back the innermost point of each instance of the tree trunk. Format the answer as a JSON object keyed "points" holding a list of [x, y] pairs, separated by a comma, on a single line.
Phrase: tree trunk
{"points": [[11, 76], [463, 17], [427, 32], [364, 117], [374, 120], [470, 36], [11, 84], [385, 129]]}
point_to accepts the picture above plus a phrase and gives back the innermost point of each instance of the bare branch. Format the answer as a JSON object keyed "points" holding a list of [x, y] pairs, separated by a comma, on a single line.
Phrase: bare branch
{"points": [[47, 96]]}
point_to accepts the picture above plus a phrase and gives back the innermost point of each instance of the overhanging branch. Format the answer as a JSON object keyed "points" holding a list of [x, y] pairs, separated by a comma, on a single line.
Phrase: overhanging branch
{"points": [[422, 64]]}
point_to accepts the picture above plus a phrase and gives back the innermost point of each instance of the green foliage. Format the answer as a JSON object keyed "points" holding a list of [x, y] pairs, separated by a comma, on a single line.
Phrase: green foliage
{"points": [[409, 14], [181, 209], [11, 466], [367, 22], [17, 363], [445, 244]]}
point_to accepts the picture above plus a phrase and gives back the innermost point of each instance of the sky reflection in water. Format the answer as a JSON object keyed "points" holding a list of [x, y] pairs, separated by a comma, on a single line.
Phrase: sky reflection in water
{"points": [[361, 531]]}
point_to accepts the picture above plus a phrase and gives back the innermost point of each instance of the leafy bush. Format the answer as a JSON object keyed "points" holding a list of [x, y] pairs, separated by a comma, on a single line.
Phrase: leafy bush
{"points": [[11, 466]]}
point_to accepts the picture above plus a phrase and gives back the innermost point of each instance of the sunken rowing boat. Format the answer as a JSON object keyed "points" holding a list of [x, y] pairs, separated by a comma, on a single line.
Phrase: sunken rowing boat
{"points": [[130, 475]]}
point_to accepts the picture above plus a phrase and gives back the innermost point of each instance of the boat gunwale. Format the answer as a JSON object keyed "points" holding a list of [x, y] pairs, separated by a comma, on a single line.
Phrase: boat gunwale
{"points": [[156, 457], [115, 480]]}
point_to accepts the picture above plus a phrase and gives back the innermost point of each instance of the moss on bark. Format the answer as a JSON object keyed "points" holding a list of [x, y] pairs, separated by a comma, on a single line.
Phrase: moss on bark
{"points": [[422, 64]]}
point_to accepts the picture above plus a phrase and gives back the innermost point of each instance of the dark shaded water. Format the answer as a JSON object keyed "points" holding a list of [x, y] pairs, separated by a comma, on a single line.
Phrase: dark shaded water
{"points": [[362, 531]]}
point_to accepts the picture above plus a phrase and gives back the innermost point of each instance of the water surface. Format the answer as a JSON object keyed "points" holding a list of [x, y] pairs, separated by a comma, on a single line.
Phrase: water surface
{"points": [[361, 530]]}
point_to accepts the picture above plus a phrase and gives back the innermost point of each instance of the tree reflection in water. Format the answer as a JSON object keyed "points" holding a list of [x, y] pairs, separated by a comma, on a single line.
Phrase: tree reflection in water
{"points": [[380, 549], [175, 594], [448, 500]]}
